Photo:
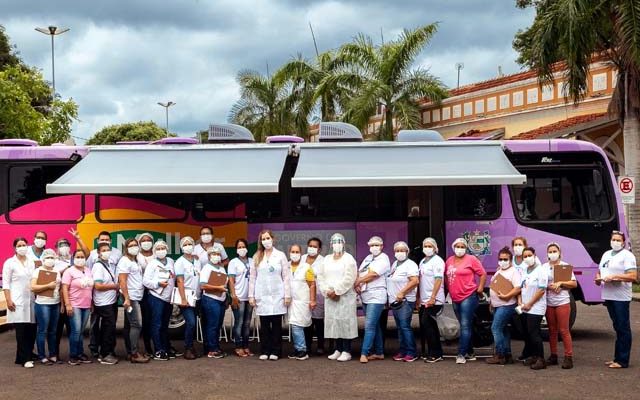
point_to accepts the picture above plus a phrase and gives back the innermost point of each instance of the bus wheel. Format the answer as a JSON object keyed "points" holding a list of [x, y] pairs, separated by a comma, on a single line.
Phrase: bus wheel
{"points": [[176, 323]]}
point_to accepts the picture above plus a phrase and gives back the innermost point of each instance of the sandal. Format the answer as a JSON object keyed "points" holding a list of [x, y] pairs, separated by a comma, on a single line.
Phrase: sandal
{"points": [[615, 365], [609, 362], [240, 353], [248, 353]]}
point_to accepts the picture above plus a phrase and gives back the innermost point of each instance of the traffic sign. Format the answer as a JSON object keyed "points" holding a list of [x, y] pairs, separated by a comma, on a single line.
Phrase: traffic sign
{"points": [[627, 187]]}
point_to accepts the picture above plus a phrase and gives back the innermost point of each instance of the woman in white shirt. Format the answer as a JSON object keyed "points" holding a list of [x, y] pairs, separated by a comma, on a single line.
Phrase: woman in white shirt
{"points": [[159, 279], [314, 258], [47, 307], [187, 269], [239, 271], [336, 277], [270, 293], [213, 302], [616, 274], [431, 299], [145, 240], [16, 283], [371, 284], [533, 303]]}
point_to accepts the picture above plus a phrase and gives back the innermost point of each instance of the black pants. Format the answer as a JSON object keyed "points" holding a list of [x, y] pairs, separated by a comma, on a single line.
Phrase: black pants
{"points": [[146, 323], [94, 333], [343, 345], [25, 339], [106, 336], [315, 329], [532, 338], [63, 321], [383, 325], [271, 334], [429, 331]]}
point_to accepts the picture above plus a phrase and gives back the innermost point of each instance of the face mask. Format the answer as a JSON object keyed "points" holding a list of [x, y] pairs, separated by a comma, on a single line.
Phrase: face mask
{"points": [[428, 251], [64, 251], [295, 257], [503, 264], [267, 243], [39, 243], [312, 251], [215, 260], [49, 262], [616, 246], [375, 250], [517, 250], [242, 252], [553, 256], [146, 246], [161, 254], [21, 250], [188, 249], [206, 239], [401, 255], [134, 250], [529, 261], [459, 252], [337, 247], [79, 262], [105, 255]]}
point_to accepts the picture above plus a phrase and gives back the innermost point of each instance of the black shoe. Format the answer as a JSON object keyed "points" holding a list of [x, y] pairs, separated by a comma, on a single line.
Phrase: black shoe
{"points": [[175, 352], [161, 356], [301, 355], [84, 359], [172, 354], [292, 355]]}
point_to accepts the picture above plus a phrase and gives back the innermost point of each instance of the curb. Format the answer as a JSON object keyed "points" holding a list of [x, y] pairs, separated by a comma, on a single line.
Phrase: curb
{"points": [[635, 297]]}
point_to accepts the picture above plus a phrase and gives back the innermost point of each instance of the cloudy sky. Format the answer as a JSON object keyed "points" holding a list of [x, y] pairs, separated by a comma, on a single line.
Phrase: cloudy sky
{"points": [[121, 57]]}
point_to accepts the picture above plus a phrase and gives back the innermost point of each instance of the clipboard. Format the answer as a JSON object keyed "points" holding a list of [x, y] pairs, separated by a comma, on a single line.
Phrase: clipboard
{"points": [[216, 279], [190, 294], [44, 278], [562, 273], [500, 284]]}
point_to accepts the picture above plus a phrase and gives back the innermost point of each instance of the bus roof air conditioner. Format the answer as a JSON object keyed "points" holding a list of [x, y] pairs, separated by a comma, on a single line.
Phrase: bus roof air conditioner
{"points": [[229, 133], [339, 132], [420, 135]]}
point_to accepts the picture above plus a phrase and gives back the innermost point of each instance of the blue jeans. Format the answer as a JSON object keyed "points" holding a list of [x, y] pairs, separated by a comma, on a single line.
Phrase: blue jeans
{"points": [[189, 315], [47, 320], [242, 324], [372, 329], [500, 329], [405, 332], [299, 344], [619, 314], [78, 323], [465, 311], [160, 315], [212, 309]]}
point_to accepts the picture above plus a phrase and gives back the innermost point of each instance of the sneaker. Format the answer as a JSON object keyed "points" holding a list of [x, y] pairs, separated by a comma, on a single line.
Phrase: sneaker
{"points": [[73, 361], [273, 357], [334, 356], [461, 360], [216, 354], [108, 360], [433, 360], [29, 364], [175, 352], [553, 359], [470, 357], [263, 357], [161, 356], [189, 355], [424, 357], [84, 359], [292, 355], [302, 355], [344, 356], [46, 361], [398, 357], [409, 358], [171, 354], [364, 359]]}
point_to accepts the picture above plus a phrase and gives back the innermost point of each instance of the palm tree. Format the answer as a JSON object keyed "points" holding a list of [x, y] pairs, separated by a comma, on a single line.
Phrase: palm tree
{"points": [[264, 107], [574, 31], [383, 75]]}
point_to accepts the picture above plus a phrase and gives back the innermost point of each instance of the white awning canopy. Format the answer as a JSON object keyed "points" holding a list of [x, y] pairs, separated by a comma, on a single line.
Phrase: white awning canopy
{"points": [[405, 164], [193, 169]]}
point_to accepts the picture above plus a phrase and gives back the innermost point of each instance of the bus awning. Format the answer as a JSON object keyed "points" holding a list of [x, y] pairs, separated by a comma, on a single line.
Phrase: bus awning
{"points": [[406, 164], [193, 169]]}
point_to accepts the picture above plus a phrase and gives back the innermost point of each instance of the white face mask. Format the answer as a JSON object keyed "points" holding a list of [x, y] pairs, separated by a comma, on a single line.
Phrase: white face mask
{"points": [[312, 251], [553, 256], [616, 246], [517, 250], [161, 254], [215, 260], [21, 250], [267, 243], [460, 251], [503, 264], [428, 251], [49, 262], [64, 251], [134, 250], [375, 250], [79, 262], [105, 255], [337, 248], [401, 255], [530, 261], [187, 249], [39, 243], [206, 239], [295, 257], [146, 246], [242, 252]]}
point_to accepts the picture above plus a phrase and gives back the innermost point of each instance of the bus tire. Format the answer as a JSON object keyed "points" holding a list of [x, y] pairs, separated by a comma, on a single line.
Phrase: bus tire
{"points": [[176, 324]]}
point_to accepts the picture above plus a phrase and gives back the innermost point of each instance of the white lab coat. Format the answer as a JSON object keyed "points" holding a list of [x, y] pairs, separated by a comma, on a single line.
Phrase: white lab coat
{"points": [[17, 278], [299, 311], [269, 284], [340, 317]]}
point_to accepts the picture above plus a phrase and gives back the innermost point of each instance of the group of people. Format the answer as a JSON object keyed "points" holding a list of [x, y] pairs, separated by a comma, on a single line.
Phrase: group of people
{"points": [[48, 289]]}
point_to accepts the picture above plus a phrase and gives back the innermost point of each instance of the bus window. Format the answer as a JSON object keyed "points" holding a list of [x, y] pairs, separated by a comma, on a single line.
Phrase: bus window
{"points": [[472, 202], [141, 207], [418, 202], [27, 187], [218, 206], [562, 194]]}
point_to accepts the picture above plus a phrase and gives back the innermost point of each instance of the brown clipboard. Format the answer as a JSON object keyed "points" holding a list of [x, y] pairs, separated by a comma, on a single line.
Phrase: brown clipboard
{"points": [[216, 279], [500, 284], [44, 278], [562, 273]]}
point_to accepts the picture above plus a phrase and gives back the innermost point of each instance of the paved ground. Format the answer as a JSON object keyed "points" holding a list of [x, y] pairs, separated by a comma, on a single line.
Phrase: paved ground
{"points": [[319, 378]]}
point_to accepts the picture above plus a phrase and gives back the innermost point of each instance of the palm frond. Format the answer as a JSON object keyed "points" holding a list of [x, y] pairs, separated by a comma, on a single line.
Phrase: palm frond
{"points": [[406, 49]]}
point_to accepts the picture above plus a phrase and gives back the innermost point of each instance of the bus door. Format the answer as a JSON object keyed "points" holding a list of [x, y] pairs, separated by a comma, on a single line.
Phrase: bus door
{"points": [[426, 218]]}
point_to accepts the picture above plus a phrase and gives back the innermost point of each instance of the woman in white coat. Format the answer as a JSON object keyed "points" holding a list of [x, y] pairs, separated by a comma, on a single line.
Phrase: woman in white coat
{"points": [[16, 282], [303, 300], [336, 277]]}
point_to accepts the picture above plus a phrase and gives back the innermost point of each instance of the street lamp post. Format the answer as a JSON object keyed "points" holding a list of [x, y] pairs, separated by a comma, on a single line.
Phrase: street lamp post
{"points": [[53, 31], [166, 109], [459, 67]]}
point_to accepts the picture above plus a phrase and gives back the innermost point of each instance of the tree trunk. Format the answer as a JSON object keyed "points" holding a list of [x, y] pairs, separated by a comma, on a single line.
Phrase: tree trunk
{"points": [[631, 132], [388, 124]]}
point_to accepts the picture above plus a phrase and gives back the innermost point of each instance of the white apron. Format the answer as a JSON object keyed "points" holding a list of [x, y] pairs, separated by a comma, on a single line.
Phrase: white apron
{"points": [[269, 290], [340, 317], [299, 311], [19, 283]]}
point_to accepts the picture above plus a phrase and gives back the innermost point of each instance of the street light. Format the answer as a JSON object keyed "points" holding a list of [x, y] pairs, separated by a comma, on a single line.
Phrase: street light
{"points": [[166, 109], [53, 31], [459, 66]]}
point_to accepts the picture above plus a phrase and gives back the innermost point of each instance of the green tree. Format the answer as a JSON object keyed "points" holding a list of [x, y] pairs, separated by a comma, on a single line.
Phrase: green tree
{"points": [[383, 75], [132, 131], [573, 32], [8, 56]]}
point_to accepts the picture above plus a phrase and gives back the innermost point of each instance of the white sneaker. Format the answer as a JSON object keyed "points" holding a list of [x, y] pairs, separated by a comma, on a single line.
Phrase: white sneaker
{"points": [[273, 357], [344, 356], [334, 356], [461, 360], [29, 364], [263, 357]]}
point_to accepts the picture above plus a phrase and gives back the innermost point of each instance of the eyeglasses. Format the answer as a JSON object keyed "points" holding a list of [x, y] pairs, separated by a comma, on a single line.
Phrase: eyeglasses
{"points": [[503, 259]]}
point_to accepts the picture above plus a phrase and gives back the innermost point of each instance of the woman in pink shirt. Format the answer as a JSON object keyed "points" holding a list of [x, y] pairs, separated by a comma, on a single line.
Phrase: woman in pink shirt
{"points": [[461, 270]]}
